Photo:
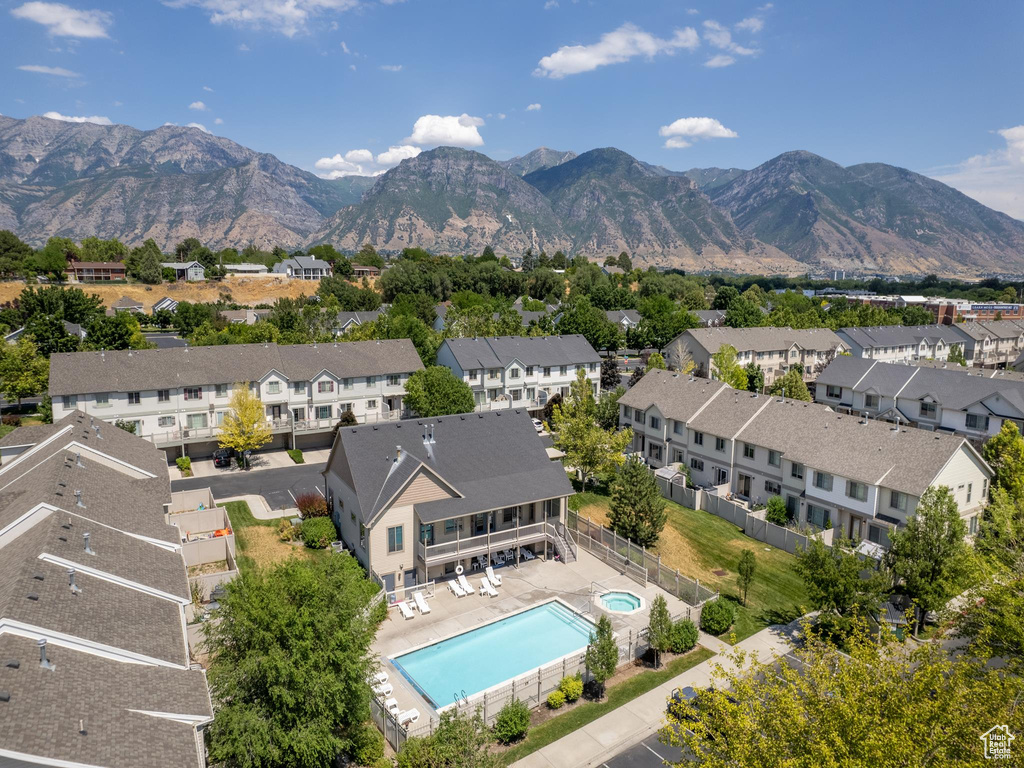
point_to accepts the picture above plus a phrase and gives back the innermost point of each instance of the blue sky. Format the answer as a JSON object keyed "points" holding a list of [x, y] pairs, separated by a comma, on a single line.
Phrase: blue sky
{"points": [[346, 86]]}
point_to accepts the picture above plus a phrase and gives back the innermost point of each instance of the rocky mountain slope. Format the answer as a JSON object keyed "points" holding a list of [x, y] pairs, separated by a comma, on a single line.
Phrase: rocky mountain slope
{"points": [[708, 179], [537, 160]]}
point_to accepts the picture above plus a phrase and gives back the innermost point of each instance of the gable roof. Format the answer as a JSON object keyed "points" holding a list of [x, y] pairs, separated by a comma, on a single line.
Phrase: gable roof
{"points": [[618, 315], [677, 396], [497, 352], [301, 262], [126, 303], [764, 339], [869, 337]]}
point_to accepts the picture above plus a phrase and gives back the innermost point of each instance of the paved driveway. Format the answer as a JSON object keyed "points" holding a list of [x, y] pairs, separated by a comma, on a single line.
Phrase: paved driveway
{"points": [[649, 753], [278, 486]]}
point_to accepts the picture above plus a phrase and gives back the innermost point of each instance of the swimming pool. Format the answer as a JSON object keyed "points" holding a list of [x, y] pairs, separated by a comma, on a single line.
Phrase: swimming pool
{"points": [[487, 656], [622, 602]]}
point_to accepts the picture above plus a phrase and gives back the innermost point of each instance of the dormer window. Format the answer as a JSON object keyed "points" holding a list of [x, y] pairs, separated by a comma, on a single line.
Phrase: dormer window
{"points": [[928, 410]]}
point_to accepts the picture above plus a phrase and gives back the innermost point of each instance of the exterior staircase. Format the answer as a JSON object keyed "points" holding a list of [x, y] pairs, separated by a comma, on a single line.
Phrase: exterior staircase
{"points": [[563, 546]]}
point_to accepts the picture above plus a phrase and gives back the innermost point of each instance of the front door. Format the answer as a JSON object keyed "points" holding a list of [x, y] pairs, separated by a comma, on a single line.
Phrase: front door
{"points": [[389, 582], [410, 578], [743, 481], [275, 412]]}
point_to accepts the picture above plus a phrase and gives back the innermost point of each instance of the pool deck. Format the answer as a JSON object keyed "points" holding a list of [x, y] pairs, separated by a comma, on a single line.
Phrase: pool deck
{"points": [[532, 583]]}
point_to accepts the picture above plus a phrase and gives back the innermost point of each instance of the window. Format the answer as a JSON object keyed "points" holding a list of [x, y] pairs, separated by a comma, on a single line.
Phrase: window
{"points": [[395, 539], [362, 535], [517, 394], [563, 370], [344, 408], [833, 391], [492, 373], [977, 421], [371, 405], [638, 416], [871, 401], [371, 381], [792, 506], [698, 438], [102, 399], [749, 452], [928, 410], [857, 491], [677, 456], [697, 464], [973, 525], [451, 525], [898, 501], [193, 393], [274, 387], [427, 534], [299, 414], [323, 411], [163, 395], [506, 515], [721, 476], [775, 458], [654, 451], [817, 516], [325, 386], [678, 428], [875, 534], [196, 421], [552, 507], [720, 444], [984, 488], [529, 370], [222, 390], [772, 488], [513, 373], [823, 480], [531, 393], [970, 488], [346, 383], [165, 421], [298, 387], [578, 367], [394, 380], [474, 375], [70, 401], [655, 422], [796, 470]]}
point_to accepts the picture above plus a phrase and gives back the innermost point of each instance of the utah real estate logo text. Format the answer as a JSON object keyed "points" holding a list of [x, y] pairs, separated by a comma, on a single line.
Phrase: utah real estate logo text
{"points": [[997, 742]]}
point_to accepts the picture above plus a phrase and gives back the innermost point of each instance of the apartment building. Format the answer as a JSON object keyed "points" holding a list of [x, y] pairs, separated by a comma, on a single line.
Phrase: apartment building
{"points": [[992, 344], [520, 371], [903, 343], [952, 399], [95, 271], [178, 397], [775, 350], [414, 500], [859, 476], [96, 668]]}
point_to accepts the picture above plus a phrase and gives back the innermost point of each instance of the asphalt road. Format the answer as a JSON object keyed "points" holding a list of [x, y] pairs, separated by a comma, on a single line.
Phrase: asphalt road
{"points": [[278, 486], [649, 753], [164, 340]]}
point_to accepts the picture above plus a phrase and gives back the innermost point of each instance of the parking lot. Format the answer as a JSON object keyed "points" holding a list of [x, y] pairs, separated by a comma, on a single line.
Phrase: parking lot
{"points": [[649, 753], [279, 486]]}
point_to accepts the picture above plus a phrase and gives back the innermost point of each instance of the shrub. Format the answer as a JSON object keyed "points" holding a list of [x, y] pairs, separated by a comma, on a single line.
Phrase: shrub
{"points": [[127, 426], [556, 699], [513, 722], [575, 502], [716, 617], [318, 532], [384, 762], [683, 636], [367, 745], [777, 512], [311, 505], [185, 465], [571, 687], [11, 420], [285, 530], [296, 456]]}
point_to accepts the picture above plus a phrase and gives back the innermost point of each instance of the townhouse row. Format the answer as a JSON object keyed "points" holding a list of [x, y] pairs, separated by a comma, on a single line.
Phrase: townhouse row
{"points": [[987, 343], [859, 476]]}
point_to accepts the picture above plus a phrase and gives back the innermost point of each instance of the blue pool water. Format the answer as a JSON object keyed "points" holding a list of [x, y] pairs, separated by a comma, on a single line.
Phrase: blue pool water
{"points": [[620, 601], [496, 652]]}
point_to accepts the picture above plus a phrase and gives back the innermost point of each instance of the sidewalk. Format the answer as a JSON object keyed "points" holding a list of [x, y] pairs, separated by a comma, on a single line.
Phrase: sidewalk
{"points": [[259, 507], [633, 722], [277, 459]]}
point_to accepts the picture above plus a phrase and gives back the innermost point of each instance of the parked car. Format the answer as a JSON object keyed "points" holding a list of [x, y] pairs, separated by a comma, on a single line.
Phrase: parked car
{"points": [[538, 425], [222, 457]]}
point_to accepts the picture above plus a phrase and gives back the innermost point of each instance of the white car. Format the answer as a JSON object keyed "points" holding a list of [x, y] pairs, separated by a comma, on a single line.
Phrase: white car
{"points": [[538, 425]]}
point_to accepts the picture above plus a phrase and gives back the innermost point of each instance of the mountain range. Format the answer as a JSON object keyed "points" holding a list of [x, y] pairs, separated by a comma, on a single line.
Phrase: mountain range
{"points": [[795, 213]]}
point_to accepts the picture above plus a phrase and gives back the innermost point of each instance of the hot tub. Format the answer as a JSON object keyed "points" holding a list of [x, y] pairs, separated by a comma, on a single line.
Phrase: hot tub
{"points": [[622, 602]]}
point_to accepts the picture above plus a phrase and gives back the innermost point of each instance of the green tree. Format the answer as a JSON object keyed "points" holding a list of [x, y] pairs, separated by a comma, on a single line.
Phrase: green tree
{"points": [[776, 512], [724, 297], [50, 335], [931, 555], [120, 331], [588, 448], [726, 368], [460, 740], [53, 258], [659, 628], [610, 377], [71, 304], [290, 657], [755, 376], [602, 656], [368, 257], [1004, 452], [637, 506], [833, 580], [581, 317], [956, 355], [607, 414], [13, 254], [656, 361], [245, 426], [150, 267], [1001, 534], [747, 568], [791, 385], [95, 249], [744, 314], [23, 371], [993, 622], [436, 391]]}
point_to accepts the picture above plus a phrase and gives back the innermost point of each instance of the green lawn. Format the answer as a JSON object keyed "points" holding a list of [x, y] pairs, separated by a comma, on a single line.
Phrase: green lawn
{"points": [[698, 544], [616, 695], [6, 429], [257, 542]]}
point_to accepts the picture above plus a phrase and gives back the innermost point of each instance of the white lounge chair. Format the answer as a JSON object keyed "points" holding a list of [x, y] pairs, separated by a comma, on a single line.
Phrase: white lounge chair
{"points": [[409, 716], [500, 558], [379, 678], [528, 554], [486, 588], [464, 583], [391, 705], [510, 556], [421, 602], [456, 588], [495, 578], [384, 690], [405, 609]]}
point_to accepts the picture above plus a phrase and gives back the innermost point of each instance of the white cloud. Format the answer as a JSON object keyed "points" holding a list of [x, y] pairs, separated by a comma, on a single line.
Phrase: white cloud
{"points": [[533, 108], [550, 5], [352, 67], [720, 37], [218, 121], [243, 48], [995, 179], [435, 130], [198, 106], [345, 48], [200, 126], [208, 89], [692, 11], [64, 21], [391, 67], [721, 60], [752, 24], [616, 47], [361, 162], [502, 115], [40, 69], [97, 119], [684, 131], [289, 17]]}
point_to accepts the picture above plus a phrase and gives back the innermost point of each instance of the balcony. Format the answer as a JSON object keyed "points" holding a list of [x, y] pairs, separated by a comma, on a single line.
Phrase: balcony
{"points": [[485, 543]]}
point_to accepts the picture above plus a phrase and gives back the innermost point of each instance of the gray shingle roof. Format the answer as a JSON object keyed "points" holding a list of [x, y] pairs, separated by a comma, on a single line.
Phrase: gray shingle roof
{"points": [[710, 316], [765, 339], [618, 315], [497, 352], [76, 373], [900, 335], [125, 303], [344, 318], [676, 395], [492, 460]]}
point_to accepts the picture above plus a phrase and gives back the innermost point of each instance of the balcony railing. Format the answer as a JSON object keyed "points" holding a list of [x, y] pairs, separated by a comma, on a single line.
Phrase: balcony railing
{"points": [[484, 543]]}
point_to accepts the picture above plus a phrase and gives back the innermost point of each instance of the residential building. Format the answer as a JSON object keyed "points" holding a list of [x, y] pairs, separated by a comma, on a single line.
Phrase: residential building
{"points": [[774, 350], [349, 320], [171, 305], [364, 270], [126, 304], [96, 665], [95, 271], [611, 269], [952, 399], [177, 397], [624, 318], [520, 371], [303, 268], [528, 317], [710, 318], [246, 269], [191, 271], [902, 343], [416, 500], [859, 476], [245, 316], [72, 328], [990, 344]]}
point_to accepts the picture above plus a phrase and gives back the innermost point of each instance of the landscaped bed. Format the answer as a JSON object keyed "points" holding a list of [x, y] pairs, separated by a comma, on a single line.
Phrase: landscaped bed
{"points": [[206, 569], [258, 542]]}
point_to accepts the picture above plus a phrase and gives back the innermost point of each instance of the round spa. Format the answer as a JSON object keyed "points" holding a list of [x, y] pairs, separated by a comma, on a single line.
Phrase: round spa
{"points": [[622, 602]]}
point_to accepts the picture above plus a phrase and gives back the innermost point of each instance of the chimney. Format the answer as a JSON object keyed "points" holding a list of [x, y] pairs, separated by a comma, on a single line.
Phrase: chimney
{"points": [[398, 453], [88, 549], [78, 499], [75, 589], [44, 662]]}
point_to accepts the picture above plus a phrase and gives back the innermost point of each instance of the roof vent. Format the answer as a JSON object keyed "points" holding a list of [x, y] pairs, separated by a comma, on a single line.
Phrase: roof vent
{"points": [[44, 662], [398, 453], [5, 696], [75, 589], [88, 549], [33, 597], [78, 460], [12, 664], [78, 499]]}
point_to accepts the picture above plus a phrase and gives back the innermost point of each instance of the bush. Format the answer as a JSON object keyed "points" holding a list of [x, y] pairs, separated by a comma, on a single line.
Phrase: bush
{"points": [[571, 687], [513, 722], [384, 762], [683, 636], [285, 530], [777, 512], [296, 456], [311, 505], [185, 465], [575, 502], [127, 426], [367, 745], [556, 699], [318, 532], [11, 420], [717, 616]]}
